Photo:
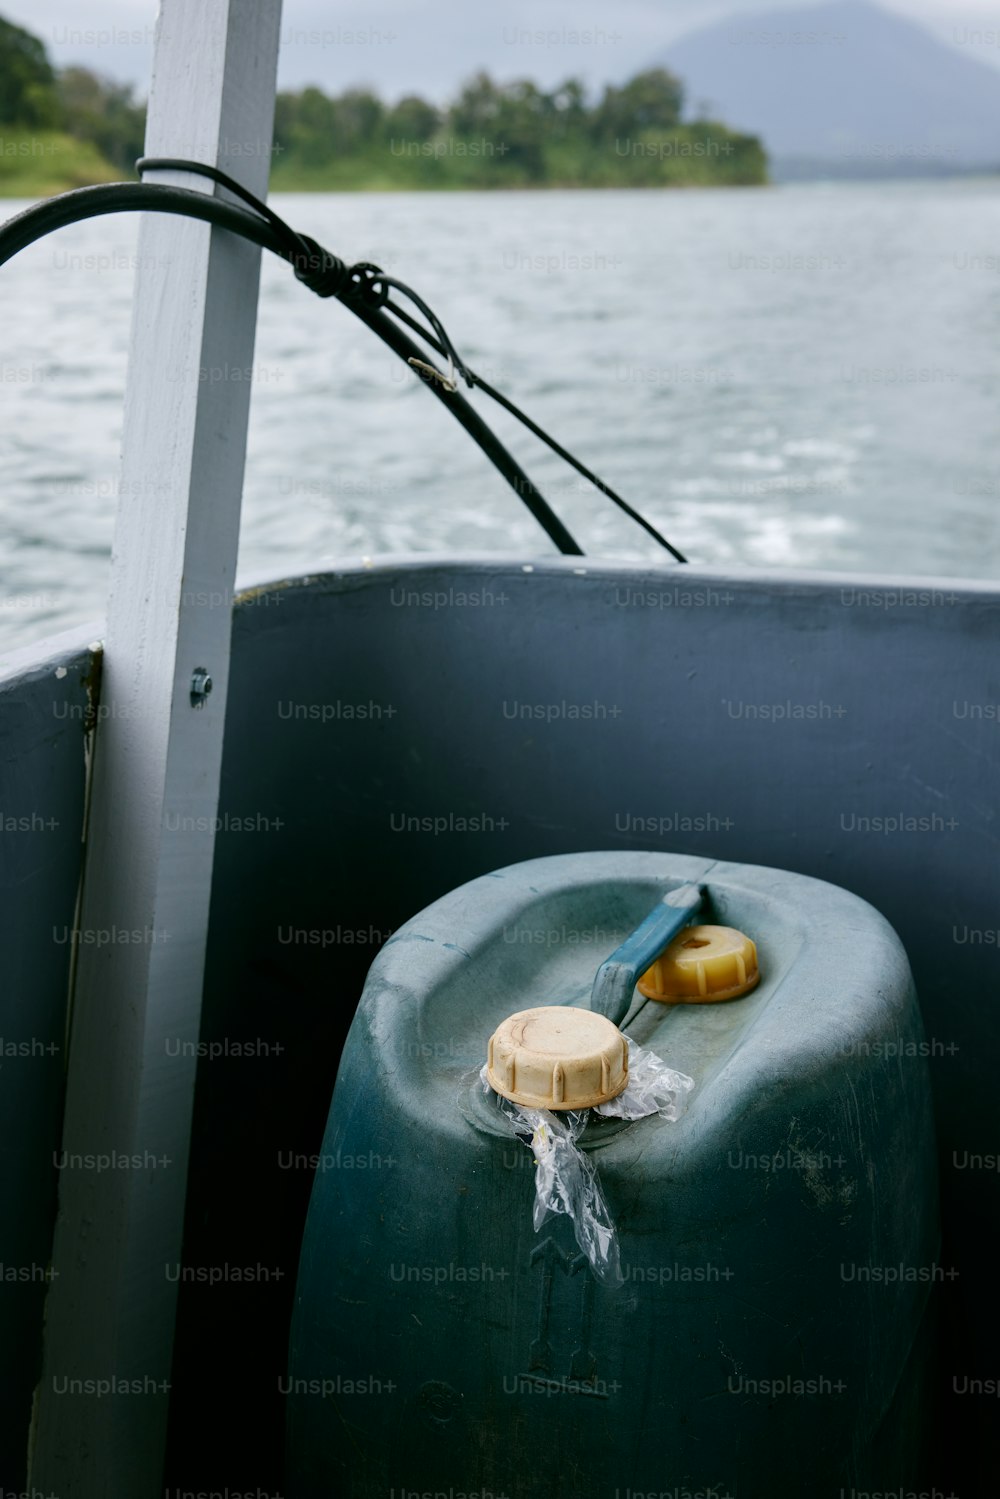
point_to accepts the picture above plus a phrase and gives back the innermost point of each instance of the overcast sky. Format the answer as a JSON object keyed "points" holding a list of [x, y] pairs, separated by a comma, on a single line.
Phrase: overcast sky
{"points": [[429, 46]]}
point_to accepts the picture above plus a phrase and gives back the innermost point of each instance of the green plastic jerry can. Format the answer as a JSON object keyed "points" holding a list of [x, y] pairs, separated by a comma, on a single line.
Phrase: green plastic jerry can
{"points": [[767, 1329]]}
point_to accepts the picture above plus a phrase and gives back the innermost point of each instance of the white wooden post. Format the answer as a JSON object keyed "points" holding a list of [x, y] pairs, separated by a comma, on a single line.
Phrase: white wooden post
{"points": [[102, 1402]]}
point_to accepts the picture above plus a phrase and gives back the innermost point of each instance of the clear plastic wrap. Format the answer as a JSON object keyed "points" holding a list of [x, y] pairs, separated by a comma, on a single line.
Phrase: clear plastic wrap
{"points": [[653, 1088], [566, 1180]]}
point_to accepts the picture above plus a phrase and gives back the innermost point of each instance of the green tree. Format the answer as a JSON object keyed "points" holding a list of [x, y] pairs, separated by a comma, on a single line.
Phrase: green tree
{"points": [[650, 101], [525, 113], [285, 110], [357, 119], [477, 108], [100, 110], [305, 126], [511, 117], [567, 105], [27, 80], [412, 119]]}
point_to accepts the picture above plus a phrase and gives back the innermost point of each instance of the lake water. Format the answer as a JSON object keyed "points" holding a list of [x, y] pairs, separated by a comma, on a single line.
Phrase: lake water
{"points": [[804, 376]]}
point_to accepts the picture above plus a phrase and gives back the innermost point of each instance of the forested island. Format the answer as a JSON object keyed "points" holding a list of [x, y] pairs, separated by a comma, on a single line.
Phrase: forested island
{"points": [[68, 127]]}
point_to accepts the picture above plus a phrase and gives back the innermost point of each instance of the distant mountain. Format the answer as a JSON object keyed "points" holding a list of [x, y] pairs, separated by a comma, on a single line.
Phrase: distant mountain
{"points": [[844, 89]]}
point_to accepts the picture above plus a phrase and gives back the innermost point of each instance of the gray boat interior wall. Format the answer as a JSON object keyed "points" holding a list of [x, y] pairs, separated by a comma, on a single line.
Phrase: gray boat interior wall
{"points": [[756, 718], [46, 700], [394, 730]]}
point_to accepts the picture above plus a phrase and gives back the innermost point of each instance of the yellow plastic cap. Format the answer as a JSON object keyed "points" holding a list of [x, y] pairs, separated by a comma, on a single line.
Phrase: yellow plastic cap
{"points": [[557, 1057], [703, 965]]}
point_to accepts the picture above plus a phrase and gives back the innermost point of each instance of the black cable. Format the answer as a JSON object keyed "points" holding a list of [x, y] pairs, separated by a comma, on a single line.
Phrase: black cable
{"points": [[215, 174], [441, 342], [377, 283], [364, 288], [556, 447], [126, 197]]}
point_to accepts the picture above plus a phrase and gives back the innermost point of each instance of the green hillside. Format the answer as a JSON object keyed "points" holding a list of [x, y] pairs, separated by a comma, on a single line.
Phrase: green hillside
{"points": [[509, 135], [39, 164], [66, 128]]}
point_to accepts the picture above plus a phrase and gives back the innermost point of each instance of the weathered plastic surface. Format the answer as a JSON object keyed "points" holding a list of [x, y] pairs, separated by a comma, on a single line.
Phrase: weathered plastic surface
{"points": [[778, 1242]]}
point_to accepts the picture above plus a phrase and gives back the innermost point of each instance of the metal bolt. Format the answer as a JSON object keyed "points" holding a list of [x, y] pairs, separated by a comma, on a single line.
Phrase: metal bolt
{"points": [[201, 686]]}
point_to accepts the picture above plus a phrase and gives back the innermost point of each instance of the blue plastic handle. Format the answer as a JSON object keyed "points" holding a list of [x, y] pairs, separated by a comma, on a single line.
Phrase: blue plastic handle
{"points": [[616, 979]]}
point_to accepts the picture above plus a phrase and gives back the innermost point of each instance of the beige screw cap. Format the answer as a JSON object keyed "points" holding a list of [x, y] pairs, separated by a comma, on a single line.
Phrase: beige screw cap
{"points": [[557, 1057], [702, 965]]}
